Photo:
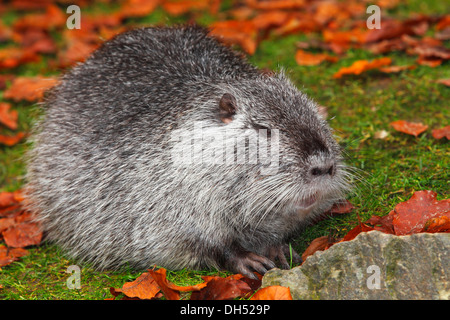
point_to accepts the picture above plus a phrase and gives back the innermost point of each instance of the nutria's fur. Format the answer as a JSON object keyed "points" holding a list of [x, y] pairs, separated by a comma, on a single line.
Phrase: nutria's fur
{"points": [[108, 177]]}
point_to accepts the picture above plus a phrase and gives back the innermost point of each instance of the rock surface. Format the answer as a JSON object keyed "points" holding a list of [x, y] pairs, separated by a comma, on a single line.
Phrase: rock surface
{"points": [[374, 265]]}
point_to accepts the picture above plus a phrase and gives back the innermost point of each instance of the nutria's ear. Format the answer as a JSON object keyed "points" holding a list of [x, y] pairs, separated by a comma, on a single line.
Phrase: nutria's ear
{"points": [[227, 107]]}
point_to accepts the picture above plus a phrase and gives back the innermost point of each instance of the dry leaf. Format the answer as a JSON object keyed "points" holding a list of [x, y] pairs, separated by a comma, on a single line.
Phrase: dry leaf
{"points": [[8, 255], [29, 88], [445, 82], [12, 57], [412, 128], [218, 288], [272, 293], [23, 235], [144, 287], [8, 117], [442, 132], [362, 65], [318, 244], [242, 33], [437, 224], [12, 140], [411, 216], [304, 58]]}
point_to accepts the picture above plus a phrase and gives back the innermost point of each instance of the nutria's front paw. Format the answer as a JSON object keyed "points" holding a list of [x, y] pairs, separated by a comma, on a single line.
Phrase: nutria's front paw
{"points": [[280, 252], [246, 263]]}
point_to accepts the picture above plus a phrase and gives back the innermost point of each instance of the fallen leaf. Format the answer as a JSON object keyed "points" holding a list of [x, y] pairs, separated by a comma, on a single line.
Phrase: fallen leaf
{"points": [[219, 288], [304, 58], [8, 255], [160, 278], [179, 7], [356, 231], [412, 128], [12, 140], [8, 117], [138, 8], [12, 57], [144, 287], [394, 69], [383, 224], [29, 88], [276, 4], [437, 224], [445, 82], [411, 216], [23, 235], [242, 33], [442, 132], [272, 293], [318, 244], [362, 65]]}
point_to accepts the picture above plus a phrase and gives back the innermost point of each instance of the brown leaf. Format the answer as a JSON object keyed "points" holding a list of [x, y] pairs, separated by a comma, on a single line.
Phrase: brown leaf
{"points": [[29, 88], [160, 278], [272, 293], [144, 287], [242, 33], [12, 57], [138, 8], [179, 7], [304, 58], [383, 224], [442, 132], [318, 244], [8, 255], [437, 224], [362, 65], [12, 140], [411, 216], [356, 231], [23, 235], [412, 128], [218, 288], [8, 117], [276, 4], [445, 82]]}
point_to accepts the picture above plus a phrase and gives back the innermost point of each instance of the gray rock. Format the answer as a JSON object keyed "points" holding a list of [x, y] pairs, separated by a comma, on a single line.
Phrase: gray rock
{"points": [[374, 265]]}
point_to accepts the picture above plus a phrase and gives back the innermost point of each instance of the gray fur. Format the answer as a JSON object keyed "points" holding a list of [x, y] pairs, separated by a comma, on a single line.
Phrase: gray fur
{"points": [[101, 175]]}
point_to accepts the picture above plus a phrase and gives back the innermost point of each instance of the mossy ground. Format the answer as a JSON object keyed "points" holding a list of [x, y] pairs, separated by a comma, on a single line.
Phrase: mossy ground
{"points": [[389, 170]]}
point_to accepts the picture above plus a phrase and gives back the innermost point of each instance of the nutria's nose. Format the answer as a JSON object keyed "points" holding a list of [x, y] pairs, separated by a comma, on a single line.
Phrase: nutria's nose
{"points": [[320, 171]]}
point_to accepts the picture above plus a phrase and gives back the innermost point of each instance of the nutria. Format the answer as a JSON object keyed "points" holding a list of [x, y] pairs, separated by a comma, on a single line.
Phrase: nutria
{"points": [[117, 175]]}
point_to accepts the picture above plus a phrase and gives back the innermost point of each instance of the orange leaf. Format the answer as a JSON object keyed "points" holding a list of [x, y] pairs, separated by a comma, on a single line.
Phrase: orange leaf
{"points": [[308, 59], [437, 224], [442, 132], [242, 33], [8, 255], [160, 278], [362, 65], [8, 117], [30, 89], [318, 244], [12, 57], [144, 287], [218, 288], [23, 235], [179, 7], [445, 82], [12, 140], [138, 8], [411, 216], [412, 128], [272, 293]]}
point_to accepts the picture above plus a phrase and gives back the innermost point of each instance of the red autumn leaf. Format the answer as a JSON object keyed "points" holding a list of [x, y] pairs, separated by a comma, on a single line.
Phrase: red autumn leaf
{"points": [[272, 293], [12, 57], [53, 17], [138, 8], [7, 199], [445, 82], [442, 132], [160, 278], [8, 117], [242, 33], [144, 287], [12, 140], [318, 244], [179, 7], [5, 223], [276, 4], [352, 234], [383, 224], [23, 235], [8, 255], [438, 224], [219, 288], [411, 216], [29, 88], [304, 58], [412, 128], [362, 65]]}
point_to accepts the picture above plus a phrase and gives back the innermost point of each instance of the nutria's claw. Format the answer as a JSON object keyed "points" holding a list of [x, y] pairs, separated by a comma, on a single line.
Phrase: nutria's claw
{"points": [[250, 262]]}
